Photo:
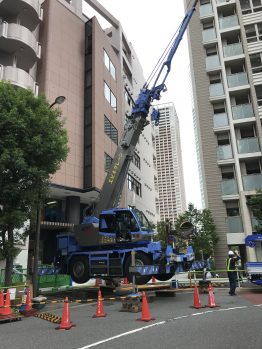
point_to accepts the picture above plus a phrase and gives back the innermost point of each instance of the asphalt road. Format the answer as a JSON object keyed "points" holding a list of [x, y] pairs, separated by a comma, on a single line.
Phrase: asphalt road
{"points": [[236, 323]]}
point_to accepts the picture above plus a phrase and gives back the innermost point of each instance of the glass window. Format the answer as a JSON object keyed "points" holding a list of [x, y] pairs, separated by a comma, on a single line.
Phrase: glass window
{"points": [[134, 185], [110, 130], [107, 92], [256, 63], [106, 60], [113, 101], [111, 98], [112, 70], [136, 160], [259, 94], [110, 66], [108, 162]]}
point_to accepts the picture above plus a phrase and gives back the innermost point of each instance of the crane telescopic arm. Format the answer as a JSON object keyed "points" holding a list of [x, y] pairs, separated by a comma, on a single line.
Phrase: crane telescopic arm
{"points": [[136, 122]]}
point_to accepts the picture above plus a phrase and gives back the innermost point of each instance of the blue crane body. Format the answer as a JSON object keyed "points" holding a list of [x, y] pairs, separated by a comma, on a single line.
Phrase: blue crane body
{"points": [[104, 249]]}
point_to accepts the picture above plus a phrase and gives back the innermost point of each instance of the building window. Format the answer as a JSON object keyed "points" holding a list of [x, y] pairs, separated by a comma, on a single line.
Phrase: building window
{"points": [[136, 160], [254, 32], [134, 185], [259, 94], [110, 130], [111, 98], [110, 66], [108, 162], [249, 6], [256, 62]]}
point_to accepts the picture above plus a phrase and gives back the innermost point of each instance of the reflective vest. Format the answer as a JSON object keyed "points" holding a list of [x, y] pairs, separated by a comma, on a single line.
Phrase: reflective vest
{"points": [[230, 264]]}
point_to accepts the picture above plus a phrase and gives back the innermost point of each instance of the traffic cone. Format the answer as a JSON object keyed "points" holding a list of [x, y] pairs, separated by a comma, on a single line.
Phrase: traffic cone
{"points": [[7, 305], [28, 302], [153, 279], [145, 310], [125, 281], [197, 304], [99, 307], [98, 282], [1, 302], [65, 324], [211, 298]]}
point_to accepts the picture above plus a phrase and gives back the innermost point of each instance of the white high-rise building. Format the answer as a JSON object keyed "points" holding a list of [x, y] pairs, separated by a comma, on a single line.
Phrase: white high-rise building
{"points": [[170, 180]]}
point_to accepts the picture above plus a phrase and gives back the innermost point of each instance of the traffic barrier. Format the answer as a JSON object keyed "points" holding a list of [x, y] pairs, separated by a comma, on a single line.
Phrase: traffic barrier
{"points": [[197, 304], [211, 298], [145, 310], [7, 305], [1, 302], [65, 324], [49, 317], [100, 307]]}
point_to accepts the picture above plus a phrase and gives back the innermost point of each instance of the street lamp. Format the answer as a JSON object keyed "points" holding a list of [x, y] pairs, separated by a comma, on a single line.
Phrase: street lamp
{"points": [[58, 100]]}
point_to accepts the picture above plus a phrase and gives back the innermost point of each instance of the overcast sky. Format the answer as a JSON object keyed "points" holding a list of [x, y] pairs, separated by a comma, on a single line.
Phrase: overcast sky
{"points": [[149, 25]]}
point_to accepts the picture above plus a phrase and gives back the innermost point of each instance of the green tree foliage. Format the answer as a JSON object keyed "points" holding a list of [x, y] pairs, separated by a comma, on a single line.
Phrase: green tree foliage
{"points": [[33, 143], [163, 230], [204, 237], [255, 204]]}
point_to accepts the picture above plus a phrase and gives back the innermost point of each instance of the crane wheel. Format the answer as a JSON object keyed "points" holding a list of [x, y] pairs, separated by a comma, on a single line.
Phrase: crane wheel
{"points": [[141, 259]]}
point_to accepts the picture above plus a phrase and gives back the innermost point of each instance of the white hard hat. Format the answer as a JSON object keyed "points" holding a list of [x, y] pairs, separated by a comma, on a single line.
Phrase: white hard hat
{"points": [[230, 253]]}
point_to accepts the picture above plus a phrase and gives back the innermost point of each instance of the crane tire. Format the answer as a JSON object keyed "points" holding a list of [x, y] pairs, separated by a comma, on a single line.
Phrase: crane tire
{"points": [[79, 269], [141, 259]]}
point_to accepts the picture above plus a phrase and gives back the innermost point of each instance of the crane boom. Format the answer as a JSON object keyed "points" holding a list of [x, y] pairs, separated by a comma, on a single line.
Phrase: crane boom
{"points": [[135, 124]]}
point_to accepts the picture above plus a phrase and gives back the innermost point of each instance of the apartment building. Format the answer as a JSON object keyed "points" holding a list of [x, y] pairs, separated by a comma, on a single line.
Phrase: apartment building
{"points": [[225, 44], [52, 48], [169, 165]]}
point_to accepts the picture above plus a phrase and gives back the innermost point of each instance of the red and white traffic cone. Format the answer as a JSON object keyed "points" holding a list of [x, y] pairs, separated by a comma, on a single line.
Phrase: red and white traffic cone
{"points": [[211, 298], [7, 305], [2, 302], [99, 307]]}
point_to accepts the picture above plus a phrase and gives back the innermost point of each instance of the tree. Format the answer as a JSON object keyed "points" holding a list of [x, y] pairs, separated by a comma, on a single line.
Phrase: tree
{"points": [[33, 143], [255, 204], [204, 237], [163, 230]]}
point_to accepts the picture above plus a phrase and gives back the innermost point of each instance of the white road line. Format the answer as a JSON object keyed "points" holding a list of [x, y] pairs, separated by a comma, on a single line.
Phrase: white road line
{"points": [[161, 323]]}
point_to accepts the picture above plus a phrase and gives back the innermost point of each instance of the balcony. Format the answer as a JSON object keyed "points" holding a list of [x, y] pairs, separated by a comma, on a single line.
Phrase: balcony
{"points": [[216, 90], [220, 120], [242, 111], [224, 152], [234, 224], [229, 187], [252, 182], [233, 50], [18, 77], [206, 10], [212, 62], [238, 79], [248, 145], [209, 35], [14, 37], [228, 22], [33, 8]]}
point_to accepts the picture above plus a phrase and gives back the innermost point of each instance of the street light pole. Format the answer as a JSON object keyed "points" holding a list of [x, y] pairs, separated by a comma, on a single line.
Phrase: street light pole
{"points": [[35, 278]]}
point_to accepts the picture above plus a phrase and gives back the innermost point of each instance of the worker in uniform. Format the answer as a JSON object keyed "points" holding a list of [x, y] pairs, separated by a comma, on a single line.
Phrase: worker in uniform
{"points": [[89, 216], [231, 261]]}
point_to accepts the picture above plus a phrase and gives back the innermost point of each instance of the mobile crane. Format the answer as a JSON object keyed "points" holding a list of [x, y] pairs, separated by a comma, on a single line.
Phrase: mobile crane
{"points": [[104, 249]]}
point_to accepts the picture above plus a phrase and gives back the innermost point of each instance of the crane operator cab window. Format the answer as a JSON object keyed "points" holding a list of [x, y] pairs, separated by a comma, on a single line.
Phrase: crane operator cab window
{"points": [[125, 224]]}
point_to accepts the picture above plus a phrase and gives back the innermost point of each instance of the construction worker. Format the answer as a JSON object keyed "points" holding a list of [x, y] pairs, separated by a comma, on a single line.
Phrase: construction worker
{"points": [[233, 257]]}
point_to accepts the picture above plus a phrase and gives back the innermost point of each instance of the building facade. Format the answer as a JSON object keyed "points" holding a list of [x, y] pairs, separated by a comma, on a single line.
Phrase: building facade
{"points": [[225, 44], [52, 48], [169, 165]]}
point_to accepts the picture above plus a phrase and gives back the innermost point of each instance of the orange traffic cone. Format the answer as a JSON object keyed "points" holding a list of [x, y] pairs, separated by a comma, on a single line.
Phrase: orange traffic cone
{"points": [[98, 282], [99, 307], [145, 309], [28, 300], [197, 304], [153, 279], [125, 281], [211, 298], [7, 306], [65, 324], [1, 302]]}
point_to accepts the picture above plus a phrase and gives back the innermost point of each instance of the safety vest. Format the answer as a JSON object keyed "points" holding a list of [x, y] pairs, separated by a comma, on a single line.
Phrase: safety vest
{"points": [[230, 264]]}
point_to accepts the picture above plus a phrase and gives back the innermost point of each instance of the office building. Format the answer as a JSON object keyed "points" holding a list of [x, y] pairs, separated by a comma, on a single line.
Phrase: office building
{"points": [[169, 165], [52, 48], [225, 44]]}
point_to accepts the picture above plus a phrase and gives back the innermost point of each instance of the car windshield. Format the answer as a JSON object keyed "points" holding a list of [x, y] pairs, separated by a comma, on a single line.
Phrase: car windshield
{"points": [[144, 222]]}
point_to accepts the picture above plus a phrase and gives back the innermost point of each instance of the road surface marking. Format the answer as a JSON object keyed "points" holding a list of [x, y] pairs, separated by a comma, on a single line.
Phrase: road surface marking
{"points": [[161, 323]]}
